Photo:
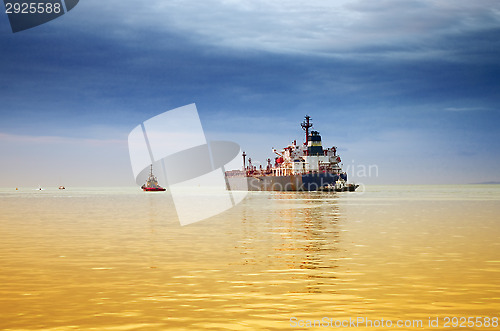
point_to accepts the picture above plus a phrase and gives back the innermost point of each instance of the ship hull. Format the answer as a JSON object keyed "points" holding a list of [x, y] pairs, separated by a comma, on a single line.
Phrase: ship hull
{"points": [[153, 189], [307, 182]]}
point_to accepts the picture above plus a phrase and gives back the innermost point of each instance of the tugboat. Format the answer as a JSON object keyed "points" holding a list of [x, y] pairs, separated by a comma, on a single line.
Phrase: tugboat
{"points": [[152, 184], [297, 167], [339, 186]]}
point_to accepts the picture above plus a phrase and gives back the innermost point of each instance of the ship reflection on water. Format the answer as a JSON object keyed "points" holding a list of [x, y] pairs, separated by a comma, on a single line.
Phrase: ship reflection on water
{"points": [[119, 259], [302, 238]]}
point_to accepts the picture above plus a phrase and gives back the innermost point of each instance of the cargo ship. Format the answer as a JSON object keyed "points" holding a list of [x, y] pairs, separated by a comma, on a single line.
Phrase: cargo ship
{"points": [[298, 167]]}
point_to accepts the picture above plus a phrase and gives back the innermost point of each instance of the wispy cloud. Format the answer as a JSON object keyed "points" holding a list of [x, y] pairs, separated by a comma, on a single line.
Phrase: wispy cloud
{"points": [[391, 28], [466, 109], [46, 140]]}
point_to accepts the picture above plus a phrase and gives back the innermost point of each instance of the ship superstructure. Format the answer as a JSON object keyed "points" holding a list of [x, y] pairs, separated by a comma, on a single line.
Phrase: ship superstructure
{"points": [[298, 167]]}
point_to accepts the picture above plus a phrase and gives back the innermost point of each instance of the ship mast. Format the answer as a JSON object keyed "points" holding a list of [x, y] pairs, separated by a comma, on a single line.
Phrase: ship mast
{"points": [[306, 125]]}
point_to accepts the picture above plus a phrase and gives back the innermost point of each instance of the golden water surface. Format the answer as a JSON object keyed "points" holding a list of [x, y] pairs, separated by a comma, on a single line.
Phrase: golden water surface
{"points": [[117, 259]]}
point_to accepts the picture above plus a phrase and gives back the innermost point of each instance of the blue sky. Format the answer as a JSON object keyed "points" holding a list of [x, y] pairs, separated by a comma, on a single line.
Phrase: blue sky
{"points": [[408, 86]]}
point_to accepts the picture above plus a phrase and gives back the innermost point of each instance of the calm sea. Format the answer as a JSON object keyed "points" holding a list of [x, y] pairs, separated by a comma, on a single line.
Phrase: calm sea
{"points": [[117, 259]]}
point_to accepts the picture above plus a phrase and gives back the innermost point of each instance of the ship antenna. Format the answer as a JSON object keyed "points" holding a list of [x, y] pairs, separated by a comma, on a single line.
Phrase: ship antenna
{"points": [[151, 175], [306, 125]]}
